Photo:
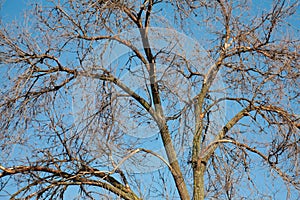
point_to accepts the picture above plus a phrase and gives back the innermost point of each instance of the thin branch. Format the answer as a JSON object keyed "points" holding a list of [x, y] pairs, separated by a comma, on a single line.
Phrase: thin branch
{"points": [[70, 179], [118, 39], [254, 150], [133, 152]]}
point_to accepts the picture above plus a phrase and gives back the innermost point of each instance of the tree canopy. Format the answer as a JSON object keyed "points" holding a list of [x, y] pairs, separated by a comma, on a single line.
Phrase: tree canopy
{"points": [[150, 99]]}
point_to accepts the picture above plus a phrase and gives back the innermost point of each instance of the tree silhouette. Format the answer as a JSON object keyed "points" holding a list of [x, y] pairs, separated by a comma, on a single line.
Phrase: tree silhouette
{"points": [[151, 99]]}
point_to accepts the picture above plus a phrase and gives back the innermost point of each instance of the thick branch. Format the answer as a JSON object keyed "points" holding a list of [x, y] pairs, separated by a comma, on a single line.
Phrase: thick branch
{"points": [[205, 155], [77, 179]]}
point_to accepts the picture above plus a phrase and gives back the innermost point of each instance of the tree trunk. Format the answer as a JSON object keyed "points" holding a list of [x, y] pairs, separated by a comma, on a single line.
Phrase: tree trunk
{"points": [[198, 186], [172, 157]]}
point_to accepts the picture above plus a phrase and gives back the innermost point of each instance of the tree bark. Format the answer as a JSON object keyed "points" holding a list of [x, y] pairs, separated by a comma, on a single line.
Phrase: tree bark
{"points": [[199, 181], [172, 157]]}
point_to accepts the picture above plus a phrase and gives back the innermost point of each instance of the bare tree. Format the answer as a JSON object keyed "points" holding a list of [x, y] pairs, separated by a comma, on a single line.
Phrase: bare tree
{"points": [[151, 100]]}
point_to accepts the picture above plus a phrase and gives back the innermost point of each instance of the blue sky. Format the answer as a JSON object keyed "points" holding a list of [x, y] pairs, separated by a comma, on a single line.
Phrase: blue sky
{"points": [[13, 10]]}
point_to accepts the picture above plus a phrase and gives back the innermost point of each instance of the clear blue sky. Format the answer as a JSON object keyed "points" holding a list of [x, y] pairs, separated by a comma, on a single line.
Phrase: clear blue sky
{"points": [[13, 10]]}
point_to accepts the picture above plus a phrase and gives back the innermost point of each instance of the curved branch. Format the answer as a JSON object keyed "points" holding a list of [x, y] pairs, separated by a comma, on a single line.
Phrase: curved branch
{"points": [[245, 112], [280, 111], [69, 18], [133, 16], [205, 155], [132, 153], [38, 93], [254, 150], [126, 89], [118, 39], [128, 195], [69, 179]]}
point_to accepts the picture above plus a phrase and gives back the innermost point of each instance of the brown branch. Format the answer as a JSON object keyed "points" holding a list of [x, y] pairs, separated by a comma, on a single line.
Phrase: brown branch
{"points": [[254, 150], [118, 39], [283, 113], [126, 89], [205, 155], [227, 15], [133, 17], [70, 179], [133, 152], [125, 194], [25, 169], [70, 18], [148, 13], [245, 112], [158, 113], [38, 93]]}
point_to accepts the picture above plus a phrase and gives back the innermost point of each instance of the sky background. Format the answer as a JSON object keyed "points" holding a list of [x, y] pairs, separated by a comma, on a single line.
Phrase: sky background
{"points": [[12, 10]]}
